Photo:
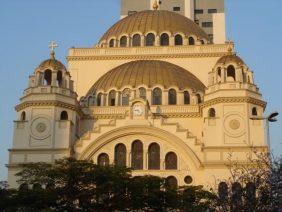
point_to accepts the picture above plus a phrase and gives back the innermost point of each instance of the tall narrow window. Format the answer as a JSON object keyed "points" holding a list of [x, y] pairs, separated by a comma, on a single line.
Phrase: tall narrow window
{"points": [[186, 98], [171, 161], [223, 191], [47, 77], [103, 159], [120, 155], [231, 75], [137, 155], [178, 40], [172, 97], [171, 182], [99, 99], [237, 194], [142, 93], [219, 74], [154, 157], [212, 113], [150, 39], [125, 97], [23, 116], [254, 111], [112, 43], [164, 39], [112, 98], [123, 41], [199, 98], [191, 41], [59, 78], [64, 116], [136, 40], [157, 96]]}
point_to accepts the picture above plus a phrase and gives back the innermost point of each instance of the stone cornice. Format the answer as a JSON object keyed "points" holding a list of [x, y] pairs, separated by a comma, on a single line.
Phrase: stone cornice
{"points": [[234, 100], [143, 57], [54, 103]]}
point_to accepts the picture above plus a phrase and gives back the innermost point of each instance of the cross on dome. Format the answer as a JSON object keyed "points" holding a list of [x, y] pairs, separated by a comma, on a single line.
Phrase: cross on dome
{"points": [[52, 46]]}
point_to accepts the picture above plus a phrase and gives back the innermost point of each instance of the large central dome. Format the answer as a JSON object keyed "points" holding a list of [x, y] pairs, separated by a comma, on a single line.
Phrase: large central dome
{"points": [[156, 21], [149, 73]]}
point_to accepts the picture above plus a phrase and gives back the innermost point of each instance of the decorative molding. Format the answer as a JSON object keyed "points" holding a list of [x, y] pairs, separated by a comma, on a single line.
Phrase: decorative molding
{"points": [[233, 100], [54, 103]]}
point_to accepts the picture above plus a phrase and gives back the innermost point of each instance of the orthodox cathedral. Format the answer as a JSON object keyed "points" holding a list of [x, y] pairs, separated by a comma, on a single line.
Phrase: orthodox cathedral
{"points": [[157, 93]]}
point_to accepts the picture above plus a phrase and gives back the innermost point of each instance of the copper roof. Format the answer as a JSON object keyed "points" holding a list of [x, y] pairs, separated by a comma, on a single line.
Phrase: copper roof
{"points": [[149, 73], [155, 20], [229, 59]]}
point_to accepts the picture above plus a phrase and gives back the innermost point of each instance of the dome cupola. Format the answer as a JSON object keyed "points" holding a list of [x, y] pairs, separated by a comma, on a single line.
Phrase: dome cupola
{"points": [[154, 28]]}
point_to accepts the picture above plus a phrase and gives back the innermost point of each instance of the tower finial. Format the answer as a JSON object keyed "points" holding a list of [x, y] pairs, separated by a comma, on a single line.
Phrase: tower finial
{"points": [[52, 46], [155, 5]]}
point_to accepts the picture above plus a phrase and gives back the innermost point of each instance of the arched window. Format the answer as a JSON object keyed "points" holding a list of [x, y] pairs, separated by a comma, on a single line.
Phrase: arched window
{"points": [[172, 97], [171, 182], [103, 159], [223, 191], [112, 43], [231, 75], [164, 39], [136, 40], [142, 93], [123, 41], [171, 161], [250, 192], [212, 113], [47, 77], [199, 99], [125, 97], [186, 98], [99, 99], [23, 116], [120, 155], [237, 194], [23, 187], [137, 155], [219, 74], [150, 39], [154, 157], [64, 115], [36, 187], [191, 41], [178, 40], [254, 111], [112, 98], [59, 78], [157, 96]]}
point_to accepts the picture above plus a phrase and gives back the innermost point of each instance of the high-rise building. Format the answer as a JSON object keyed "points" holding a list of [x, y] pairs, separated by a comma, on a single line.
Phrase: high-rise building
{"points": [[208, 14]]}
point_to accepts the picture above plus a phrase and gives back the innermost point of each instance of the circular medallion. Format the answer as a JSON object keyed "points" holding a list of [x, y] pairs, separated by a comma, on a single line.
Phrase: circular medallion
{"points": [[40, 128], [234, 124]]}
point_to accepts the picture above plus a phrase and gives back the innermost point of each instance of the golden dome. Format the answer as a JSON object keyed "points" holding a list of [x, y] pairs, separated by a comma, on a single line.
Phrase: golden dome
{"points": [[155, 20], [52, 63], [149, 73], [230, 58]]}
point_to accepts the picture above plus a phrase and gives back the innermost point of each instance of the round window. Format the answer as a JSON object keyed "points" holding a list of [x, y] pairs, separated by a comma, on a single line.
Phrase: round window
{"points": [[188, 180]]}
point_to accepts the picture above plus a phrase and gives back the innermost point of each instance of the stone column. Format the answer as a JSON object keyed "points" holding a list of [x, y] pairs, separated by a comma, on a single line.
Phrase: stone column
{"points": [[165, 97], [239, 75], [180, 98], [171, 40], [157, 40], [117, 102], [142, 40], [149, 96], [54, 78]]}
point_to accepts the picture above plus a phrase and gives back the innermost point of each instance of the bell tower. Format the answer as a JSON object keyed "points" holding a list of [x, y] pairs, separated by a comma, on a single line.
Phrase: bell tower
{"points": [[47, 118], [231, 101]]}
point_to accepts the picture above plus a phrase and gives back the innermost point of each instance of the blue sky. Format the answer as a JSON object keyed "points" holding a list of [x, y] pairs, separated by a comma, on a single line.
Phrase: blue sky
{"points": [[28, 26]]}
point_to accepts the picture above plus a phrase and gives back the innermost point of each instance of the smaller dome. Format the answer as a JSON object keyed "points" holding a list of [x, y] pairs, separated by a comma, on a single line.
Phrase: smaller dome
{"points": [[52, 63], [230, 58]]}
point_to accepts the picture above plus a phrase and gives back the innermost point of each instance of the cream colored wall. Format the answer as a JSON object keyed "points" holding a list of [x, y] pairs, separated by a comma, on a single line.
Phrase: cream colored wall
{"points": [[86, 71]]}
